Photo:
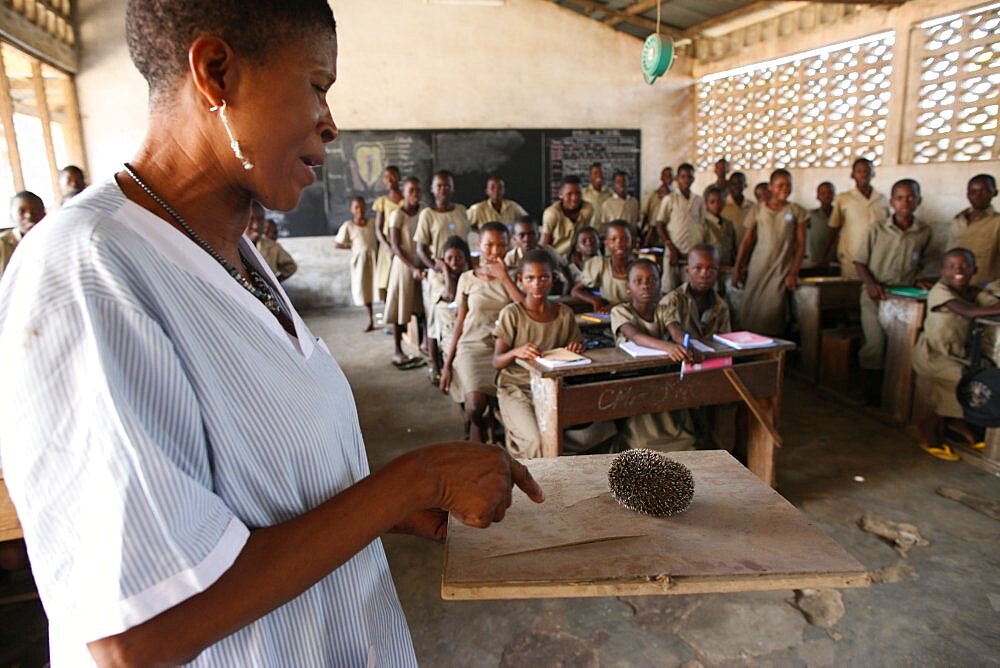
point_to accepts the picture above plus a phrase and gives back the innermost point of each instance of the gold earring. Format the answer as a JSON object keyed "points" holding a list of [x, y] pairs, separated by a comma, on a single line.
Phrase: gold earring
{"points": [[233, 143]]}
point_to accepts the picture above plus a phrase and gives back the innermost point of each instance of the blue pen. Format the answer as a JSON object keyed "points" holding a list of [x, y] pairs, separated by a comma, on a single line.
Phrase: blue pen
{"points": [[687, 342]]}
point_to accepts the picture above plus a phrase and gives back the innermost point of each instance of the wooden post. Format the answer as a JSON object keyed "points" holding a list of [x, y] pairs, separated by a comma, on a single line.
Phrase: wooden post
{"points": [[544, 395], [902, 318], [760, 444], [41, 101], [74, 128], [807, 302], [7, 118]]}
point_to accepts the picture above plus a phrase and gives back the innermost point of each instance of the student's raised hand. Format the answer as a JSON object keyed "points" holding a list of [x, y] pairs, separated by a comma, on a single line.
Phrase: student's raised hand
{"points": [[575, 347], [791, 280], [445, 383], [528, 351]]}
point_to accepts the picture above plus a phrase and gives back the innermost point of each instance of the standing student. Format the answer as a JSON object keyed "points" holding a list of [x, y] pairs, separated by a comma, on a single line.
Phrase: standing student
{"points": [[737, 207], [853, 213], [274, 254], [771, 253], [721, 169], [72, 182], [891, 253], [678, 221], [524, 331], [942, 352], [608, 275], [457, 260], [526, 240], [561, 220], [436, 223], [271, 229], [26, 209], [495, 207], [358, 234], [621, 205], [762, 192], [383, 206], [978, 228], [586, 244], [651, 204], [482, 293], [596, 194], [718, 231], [818, 227], [644, 321], [403, 298]]}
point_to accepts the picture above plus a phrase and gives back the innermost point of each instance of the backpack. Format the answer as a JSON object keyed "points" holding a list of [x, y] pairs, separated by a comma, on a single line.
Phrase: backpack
{"points": [[978, 390]]}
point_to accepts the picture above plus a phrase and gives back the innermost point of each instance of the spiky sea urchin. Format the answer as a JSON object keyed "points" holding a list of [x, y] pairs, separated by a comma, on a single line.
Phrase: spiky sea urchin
{"points": [[651, 483]]}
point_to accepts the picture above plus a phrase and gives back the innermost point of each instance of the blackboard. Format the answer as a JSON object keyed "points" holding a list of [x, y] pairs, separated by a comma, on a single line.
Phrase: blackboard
{"points": [[532, 163]]}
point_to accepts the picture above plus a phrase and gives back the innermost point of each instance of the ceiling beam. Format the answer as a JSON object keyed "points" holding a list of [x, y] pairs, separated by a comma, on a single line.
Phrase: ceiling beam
{"points": [[592, 6], [632, 10], [739, 13]]}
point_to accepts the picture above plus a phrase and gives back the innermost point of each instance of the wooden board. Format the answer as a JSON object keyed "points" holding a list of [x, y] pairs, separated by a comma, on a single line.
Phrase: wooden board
{"points": [[738, 535], [901, 318], [10, 527]]}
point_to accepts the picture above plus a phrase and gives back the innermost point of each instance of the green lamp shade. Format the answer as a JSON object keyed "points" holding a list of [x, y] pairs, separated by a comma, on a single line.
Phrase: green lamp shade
{"points": [[657, 56]]}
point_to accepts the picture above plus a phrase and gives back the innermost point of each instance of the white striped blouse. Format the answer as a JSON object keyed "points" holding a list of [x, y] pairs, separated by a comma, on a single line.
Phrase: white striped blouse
{"points": [[137, 450]]}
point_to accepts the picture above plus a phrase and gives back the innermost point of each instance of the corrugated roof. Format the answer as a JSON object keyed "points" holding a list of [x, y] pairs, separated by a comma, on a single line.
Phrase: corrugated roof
{"points": [[677, 17]]}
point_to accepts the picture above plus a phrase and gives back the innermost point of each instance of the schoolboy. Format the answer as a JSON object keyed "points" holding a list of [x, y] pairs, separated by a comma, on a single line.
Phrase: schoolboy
{"points": [[853, 213]]}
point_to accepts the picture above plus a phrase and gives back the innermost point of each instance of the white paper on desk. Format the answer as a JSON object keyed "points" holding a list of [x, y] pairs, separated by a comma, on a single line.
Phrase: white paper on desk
{"points": [[635, 350], [561, 357], [701, 347]]}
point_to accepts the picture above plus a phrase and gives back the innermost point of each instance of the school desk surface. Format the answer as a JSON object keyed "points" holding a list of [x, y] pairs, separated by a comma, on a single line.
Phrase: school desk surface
{"points": [[738, 535]]}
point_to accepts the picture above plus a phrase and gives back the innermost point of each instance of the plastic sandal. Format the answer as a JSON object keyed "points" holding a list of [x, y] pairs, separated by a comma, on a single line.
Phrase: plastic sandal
{"points": [[944, 452], [978, 446]]}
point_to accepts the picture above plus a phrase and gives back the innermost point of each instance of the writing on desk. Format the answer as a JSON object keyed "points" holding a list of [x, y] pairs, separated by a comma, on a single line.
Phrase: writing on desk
{"points": [[631, 396]]}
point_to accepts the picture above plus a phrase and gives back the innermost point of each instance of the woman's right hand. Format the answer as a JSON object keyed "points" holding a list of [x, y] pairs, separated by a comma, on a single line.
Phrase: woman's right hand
{"points": [[445, 382]]}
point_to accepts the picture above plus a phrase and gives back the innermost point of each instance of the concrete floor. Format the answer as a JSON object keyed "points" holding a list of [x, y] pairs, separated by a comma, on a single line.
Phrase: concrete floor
{"points": [[944, 608]]}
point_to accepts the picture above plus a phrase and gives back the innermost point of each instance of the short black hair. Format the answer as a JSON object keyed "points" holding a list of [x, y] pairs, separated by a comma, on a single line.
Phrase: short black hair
{"points": [[72, 169], [642, 262], [525, 220], [358, 198], [725, 160], [685, 166], [741, 176], [392, 168], [780, 171], [494, 226], [969, 255], [619, 172], [539, 256], [712, 251], [461, 244], [28, 195], [444, 174], [596, 164], [858, 161], [580, 231], [159, 33], [571, 179], [620, 224], [988, 179], [713, 190], [411, 179], [912, 183]]}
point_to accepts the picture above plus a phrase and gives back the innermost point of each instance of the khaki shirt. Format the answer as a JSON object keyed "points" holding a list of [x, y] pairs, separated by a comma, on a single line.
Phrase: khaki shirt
{"points": [[625, 314], [682, 308], [982, 237], [817, 232], [894, 257], [562, 229], [516, 328], [598, 274], [386, 206], [277, 258], [720, 233], [514, 257], [434, 228], [8, 242], [682, 216], [596, 198], [854, 214], [617, 208], [737, 213], [483, 212]]}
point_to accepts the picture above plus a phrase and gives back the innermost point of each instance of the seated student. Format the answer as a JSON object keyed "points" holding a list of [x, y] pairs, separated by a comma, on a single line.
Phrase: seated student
{"points": [[652, 204], [72, 182], [274, 254], [978, 228], [621, 205], [561, 220], [608, 274], [942, 351], [854, 212], [525, 331], [718, 231], [696, 308], [403, 297], [26, 209], [495, 207], [457, 261], [891, 253], [772, 247], [678, 222], [644, 321], [737, 206], [818, 227], [383, 206], [482, 293], [762, 192], [586, 244], [525, 240], [358, 234]]}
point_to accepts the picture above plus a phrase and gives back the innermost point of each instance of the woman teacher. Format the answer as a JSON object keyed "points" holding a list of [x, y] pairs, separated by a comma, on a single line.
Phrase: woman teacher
{"points": [[165, 520]]}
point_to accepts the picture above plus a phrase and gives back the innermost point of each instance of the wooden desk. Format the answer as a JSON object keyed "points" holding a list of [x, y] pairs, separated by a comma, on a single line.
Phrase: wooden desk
{"points": [[902, 319], [812, 298], [738, 535], [10, 527], [597, 391]]}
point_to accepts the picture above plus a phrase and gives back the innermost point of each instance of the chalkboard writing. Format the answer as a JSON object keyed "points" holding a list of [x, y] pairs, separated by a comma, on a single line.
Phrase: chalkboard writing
{"points": [[572, 152]]}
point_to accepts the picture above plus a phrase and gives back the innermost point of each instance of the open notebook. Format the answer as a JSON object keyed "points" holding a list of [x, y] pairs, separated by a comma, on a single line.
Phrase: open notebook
{"points": [[561, 357]]}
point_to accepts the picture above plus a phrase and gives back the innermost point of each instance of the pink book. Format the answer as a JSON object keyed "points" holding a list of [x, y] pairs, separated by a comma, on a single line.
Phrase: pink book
{"points": [[743, 340], [707, 365]]}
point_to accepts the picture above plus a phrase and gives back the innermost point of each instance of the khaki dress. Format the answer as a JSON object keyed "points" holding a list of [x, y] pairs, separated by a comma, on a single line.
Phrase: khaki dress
{"points": [[598, 275], [402, 299], [433, 229], [721, 233], [666, 432], [764, 305], [383, 263], [473, 363], [516, 328], [364, 244], [942, 349]]}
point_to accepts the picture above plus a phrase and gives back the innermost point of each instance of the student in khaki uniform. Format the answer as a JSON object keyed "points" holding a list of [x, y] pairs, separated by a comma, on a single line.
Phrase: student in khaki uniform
{"points": [[275, 256], [495, 207], [525, 331], [651, 205], [358, 234], [721, 169], [436, 223], [403, 299], [942, 353], [526, 240], [586, 244], [818, 227], [717, 230], [644, 321], [383, 206], [892, 253], [608, 274], [457, 261], [737, 206], [678, 221], [596, 194], [978, 228], [770, 255], [853, 213], [26, 209], [561, 220], [620, 205], [762, 192], [482, 293]]}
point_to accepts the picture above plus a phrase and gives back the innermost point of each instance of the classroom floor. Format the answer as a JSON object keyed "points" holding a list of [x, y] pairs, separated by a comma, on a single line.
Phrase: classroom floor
{"points": [[938, 606]]}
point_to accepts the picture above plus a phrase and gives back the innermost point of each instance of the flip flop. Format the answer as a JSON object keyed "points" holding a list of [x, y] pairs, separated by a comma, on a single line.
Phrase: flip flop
{"points": [[410, 363], [978, 446], [944, 452]]}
